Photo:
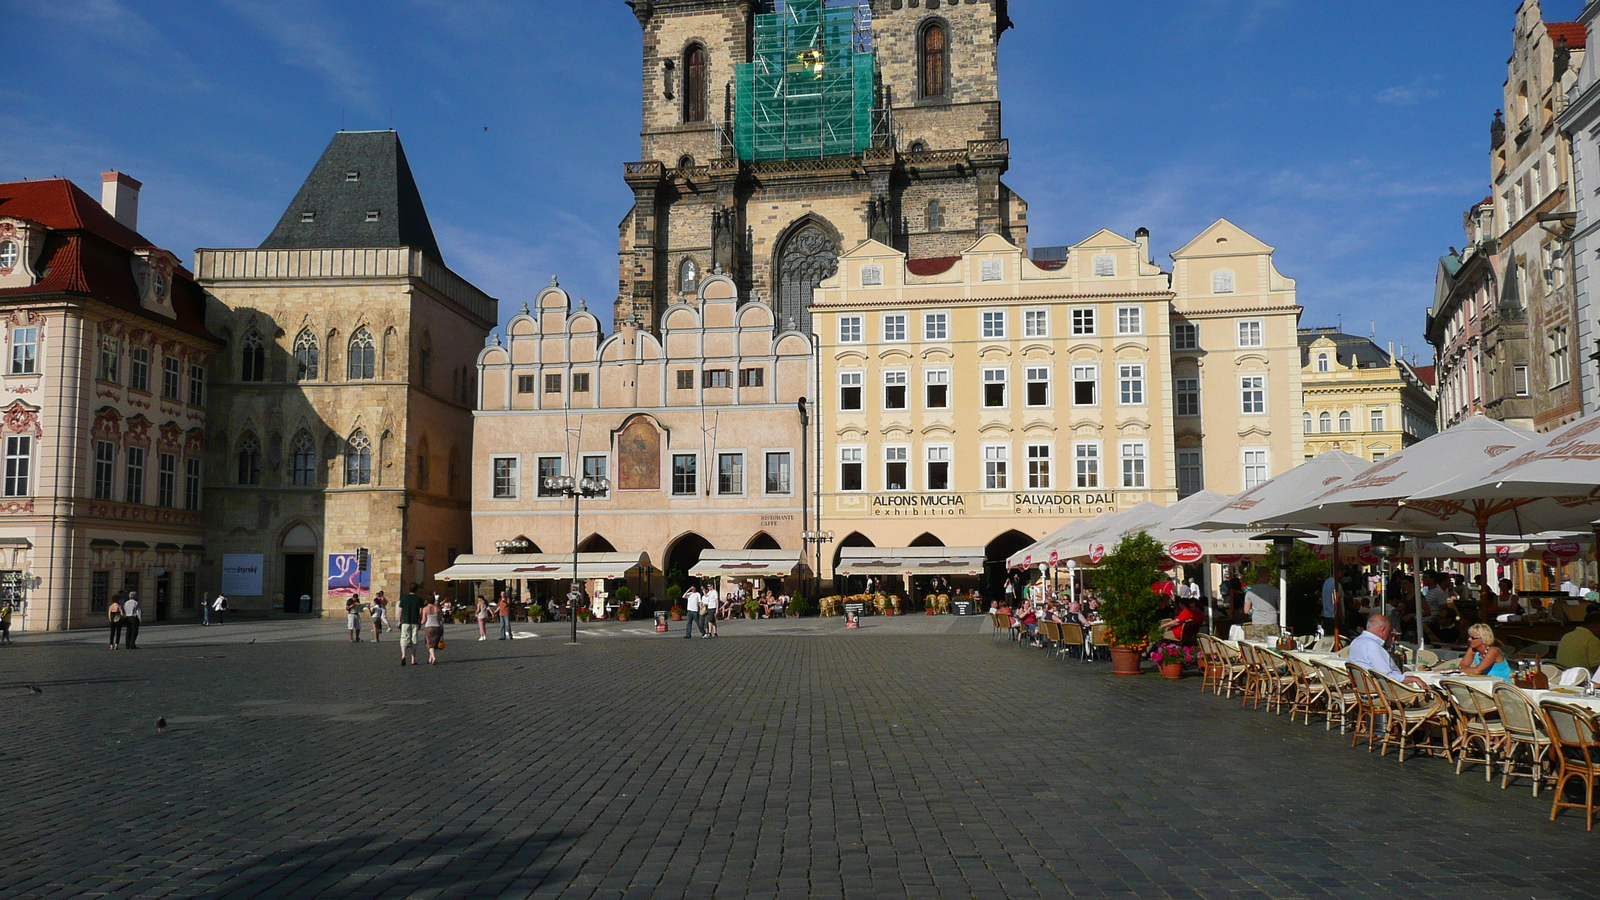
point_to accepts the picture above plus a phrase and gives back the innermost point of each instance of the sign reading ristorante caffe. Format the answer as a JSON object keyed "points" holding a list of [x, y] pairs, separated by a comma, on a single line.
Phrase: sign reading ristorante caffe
{"points": [[1018, 503]]}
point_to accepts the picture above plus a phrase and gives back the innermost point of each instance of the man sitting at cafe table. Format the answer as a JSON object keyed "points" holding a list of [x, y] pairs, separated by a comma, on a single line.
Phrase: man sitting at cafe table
{"points": [[1261, 602], [1370, 649], [1581, 645]]}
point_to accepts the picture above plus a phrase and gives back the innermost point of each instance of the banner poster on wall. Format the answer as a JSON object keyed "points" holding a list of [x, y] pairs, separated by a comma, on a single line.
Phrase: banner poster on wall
{"points": [[241, 574], [345, 577]]}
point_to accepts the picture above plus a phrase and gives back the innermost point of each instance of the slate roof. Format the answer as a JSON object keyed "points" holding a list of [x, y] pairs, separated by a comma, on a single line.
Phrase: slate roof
{"points": [[87, 252], [1347, 346], [362, 173]]}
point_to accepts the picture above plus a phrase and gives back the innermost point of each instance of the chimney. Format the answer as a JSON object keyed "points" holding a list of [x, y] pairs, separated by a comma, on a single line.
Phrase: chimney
{"points": [[1142, 237], [119, 194]]}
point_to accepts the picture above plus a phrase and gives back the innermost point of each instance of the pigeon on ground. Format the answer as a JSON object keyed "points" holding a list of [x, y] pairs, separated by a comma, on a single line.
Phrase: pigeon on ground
{"points": [[161, 725]]}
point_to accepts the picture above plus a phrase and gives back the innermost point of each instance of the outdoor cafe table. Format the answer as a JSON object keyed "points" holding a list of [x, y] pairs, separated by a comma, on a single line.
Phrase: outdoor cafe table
{"points": [[1589, 703]]}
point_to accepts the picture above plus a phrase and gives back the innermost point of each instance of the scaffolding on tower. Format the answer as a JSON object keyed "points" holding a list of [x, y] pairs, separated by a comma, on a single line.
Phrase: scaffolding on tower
{"points": [[810, 88]]}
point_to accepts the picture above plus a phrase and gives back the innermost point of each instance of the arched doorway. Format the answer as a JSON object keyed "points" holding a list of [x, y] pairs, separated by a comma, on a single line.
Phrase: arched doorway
{"points": [[595, 543], [855, 539], [681, 557], [926, 540], [808, 256], [299, 548], [994, 562], [763, 541]]}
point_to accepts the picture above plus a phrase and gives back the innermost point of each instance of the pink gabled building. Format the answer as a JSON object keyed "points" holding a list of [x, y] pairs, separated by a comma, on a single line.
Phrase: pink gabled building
{"points": [[1466, 293]]}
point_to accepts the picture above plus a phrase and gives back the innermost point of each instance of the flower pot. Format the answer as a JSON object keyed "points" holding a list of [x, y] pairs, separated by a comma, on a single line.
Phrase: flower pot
{"points": [[1173, 670], [677, 617], [1125, 661]]}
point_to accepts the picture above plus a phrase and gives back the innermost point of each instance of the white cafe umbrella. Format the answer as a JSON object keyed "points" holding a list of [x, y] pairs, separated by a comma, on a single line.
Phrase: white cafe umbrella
{"points": [[1107, 529], [1262, 507], [1552, 483], [1039, 551]]}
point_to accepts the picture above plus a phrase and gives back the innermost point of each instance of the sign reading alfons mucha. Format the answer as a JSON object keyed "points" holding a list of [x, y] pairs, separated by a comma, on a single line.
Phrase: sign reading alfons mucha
{"points": [[946, 505]]}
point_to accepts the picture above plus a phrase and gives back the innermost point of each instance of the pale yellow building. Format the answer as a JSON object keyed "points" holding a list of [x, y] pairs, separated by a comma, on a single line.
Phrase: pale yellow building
{"points": [[984, 399], [700, 431], [1359, 398]]}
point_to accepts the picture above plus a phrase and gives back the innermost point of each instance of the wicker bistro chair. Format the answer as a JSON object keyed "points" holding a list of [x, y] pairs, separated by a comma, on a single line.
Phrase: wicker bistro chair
{"points": [[1477, 720], [1234, 671], [1280, 680], [1211, 660], [995, 625], [1071, 639], [1002, 624], [1310, 693], [1097, 642], [1575, 739], [1369, 704], [1411, 713], [1255, 676], [1341, 701], [1050, 633], [1527, 738]]}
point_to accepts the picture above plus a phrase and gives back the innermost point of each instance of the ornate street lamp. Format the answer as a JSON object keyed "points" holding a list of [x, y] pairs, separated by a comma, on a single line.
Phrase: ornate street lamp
{"points": [[818, 538], [578, 489]]}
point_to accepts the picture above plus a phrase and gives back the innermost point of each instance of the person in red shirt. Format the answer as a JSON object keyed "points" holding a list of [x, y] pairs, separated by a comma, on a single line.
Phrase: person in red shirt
{"points": [[504, 609]]}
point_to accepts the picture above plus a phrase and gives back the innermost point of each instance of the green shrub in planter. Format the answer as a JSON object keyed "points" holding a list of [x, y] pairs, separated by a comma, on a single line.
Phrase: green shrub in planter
{"points": [[535, 613], [1126, 579], [799, 605]]}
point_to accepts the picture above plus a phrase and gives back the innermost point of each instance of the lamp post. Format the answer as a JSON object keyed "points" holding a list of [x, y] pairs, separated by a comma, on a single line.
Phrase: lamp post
{"points": [[577, 489], [818, 538]]}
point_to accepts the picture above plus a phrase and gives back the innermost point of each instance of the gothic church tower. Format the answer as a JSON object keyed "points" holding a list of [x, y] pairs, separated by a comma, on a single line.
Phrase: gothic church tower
{"points": [[777, 135]]}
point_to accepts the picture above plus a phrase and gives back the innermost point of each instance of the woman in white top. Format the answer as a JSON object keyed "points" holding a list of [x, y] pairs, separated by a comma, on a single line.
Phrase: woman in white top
{"points": [[432, 630], [709, 601]]}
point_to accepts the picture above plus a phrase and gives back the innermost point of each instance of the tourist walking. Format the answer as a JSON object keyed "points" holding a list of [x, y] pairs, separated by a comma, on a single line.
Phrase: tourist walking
{"points": [[410, 626], [691, 602], [5, 622], [504, 610], [432, 629], [205, 609], [352, 618], [482, 612], [114, 616], [130, 618], [709, 601], [218, 607], [380, 615]]}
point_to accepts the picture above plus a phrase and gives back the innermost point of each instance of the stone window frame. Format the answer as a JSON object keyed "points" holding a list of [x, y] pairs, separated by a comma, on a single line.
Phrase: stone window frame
{"points": [[688, 115], [944, 96]]}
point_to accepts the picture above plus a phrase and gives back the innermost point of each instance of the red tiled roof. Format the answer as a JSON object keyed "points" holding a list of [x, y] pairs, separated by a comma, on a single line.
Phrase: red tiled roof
{"points": [[937, 265], [88, 252], [1426, 373], [1576, 35]]}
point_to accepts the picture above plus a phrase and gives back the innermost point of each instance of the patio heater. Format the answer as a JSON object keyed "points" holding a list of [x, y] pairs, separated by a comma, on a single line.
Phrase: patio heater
{"points": [[1387, 546], [1282, 545], [578, 489]]}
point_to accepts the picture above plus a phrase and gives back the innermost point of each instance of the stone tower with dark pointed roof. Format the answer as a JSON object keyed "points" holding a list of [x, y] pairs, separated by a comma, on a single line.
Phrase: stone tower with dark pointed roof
{"points": [[777, 135], [344, 399]]}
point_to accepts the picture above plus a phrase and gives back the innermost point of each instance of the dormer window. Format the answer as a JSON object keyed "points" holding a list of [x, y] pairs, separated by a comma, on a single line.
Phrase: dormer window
{"points": [[308, 217], [1323, 365], [372, 215], [9, 254], [353, 176]]}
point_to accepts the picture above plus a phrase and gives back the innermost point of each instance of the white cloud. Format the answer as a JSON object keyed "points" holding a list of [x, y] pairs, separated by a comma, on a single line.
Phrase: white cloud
{"points": [[303, 34], [1405, 95]]}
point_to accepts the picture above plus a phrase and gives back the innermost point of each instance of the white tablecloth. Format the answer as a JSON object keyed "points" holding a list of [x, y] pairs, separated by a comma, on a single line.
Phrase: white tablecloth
{"points": [[1589, 703]]}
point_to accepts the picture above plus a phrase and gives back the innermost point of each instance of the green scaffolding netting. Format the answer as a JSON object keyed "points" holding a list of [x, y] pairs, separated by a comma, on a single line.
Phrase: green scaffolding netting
{"points": [[809, 91]]}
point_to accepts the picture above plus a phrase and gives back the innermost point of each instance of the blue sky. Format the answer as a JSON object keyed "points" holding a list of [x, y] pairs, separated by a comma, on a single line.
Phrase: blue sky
{"points": [[1349, 135]]}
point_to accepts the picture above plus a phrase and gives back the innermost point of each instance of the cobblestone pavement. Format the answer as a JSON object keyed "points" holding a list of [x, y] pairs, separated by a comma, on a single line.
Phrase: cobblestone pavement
{"points": [[914, 758]]}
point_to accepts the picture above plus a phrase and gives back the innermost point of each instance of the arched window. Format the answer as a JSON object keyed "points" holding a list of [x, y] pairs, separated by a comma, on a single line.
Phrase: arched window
{"points": [[303, 460], [919, 147], [363, 357], [358, 459], [1344, 421], [253, 357], [694, 84], [249, 460], [808, 258], [1325, 422], [688, 277], [933, 67], [1222, 281], [425, 362], [422, 465], [1323, 364], [1305, 423], [935, 216], [307, 358]]}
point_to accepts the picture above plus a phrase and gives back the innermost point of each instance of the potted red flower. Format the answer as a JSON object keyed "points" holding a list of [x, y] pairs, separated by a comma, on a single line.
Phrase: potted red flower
{"points": [[1170, 657]]}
